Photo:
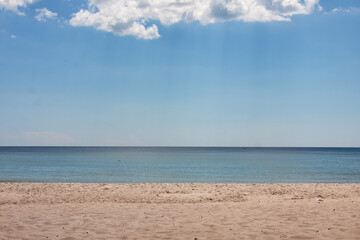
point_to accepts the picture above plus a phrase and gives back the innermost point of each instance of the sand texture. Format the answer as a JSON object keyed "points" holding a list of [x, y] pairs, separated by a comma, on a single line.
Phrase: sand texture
{"points": [[179, 211]]}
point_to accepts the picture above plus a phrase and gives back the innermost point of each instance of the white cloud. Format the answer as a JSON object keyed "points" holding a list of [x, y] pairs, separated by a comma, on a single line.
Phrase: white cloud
{"points": [[13, 36], [132, 17], [44, 14], [13, 5]]}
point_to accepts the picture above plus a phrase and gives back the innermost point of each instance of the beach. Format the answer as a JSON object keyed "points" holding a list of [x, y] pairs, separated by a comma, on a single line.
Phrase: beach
{"points": [[179, 211]]}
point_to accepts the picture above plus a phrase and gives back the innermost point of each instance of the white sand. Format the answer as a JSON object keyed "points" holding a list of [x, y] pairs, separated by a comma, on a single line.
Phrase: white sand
{"points": [[179, 211]]}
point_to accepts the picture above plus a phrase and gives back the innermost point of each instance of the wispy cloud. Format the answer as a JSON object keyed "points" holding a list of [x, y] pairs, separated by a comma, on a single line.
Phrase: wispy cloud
{"points": [[135, 17], [343, 10], [13, 5], [13, 36], [43, 14]]}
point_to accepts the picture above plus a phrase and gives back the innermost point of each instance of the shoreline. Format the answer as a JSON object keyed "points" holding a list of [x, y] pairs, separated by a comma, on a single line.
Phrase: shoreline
{"points": [[27, 192], [179, 211]]}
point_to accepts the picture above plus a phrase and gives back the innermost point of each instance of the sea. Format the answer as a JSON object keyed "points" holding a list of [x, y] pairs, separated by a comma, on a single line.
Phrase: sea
{"points": [[179, 165]]}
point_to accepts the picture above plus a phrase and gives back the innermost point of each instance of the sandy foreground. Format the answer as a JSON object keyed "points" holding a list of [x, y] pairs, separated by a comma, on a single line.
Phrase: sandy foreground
{"points": [[179, 211]]}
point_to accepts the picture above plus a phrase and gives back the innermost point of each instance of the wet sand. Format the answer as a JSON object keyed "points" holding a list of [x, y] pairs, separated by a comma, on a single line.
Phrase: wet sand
{"points": [[179, 211]]}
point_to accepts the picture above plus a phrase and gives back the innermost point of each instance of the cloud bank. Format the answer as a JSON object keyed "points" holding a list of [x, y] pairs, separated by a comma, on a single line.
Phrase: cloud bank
{"points": [[48, 138], [136, 17], [13, 5], [139, 17]]}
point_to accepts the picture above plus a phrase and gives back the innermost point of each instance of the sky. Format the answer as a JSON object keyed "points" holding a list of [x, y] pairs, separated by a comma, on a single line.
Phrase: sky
{"points": [[180, 73]]}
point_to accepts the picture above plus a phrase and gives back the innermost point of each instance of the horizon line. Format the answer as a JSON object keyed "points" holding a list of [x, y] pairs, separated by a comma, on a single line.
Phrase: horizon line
{"points": [[160, 146]]}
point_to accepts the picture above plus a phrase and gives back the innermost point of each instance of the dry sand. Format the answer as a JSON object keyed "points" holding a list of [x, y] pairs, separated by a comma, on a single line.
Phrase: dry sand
{"points": [[179, 211]]}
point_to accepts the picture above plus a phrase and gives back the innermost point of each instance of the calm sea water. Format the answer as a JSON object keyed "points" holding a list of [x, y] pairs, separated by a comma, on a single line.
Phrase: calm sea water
{"points": [[180, 164]]}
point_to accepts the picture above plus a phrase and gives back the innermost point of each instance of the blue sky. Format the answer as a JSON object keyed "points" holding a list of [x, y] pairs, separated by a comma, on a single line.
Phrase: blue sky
{"points": [[81, 73]]}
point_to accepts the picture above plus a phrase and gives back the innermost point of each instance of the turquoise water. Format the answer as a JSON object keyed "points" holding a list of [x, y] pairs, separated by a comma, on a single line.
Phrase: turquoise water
{"points": [[180, 164]]}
